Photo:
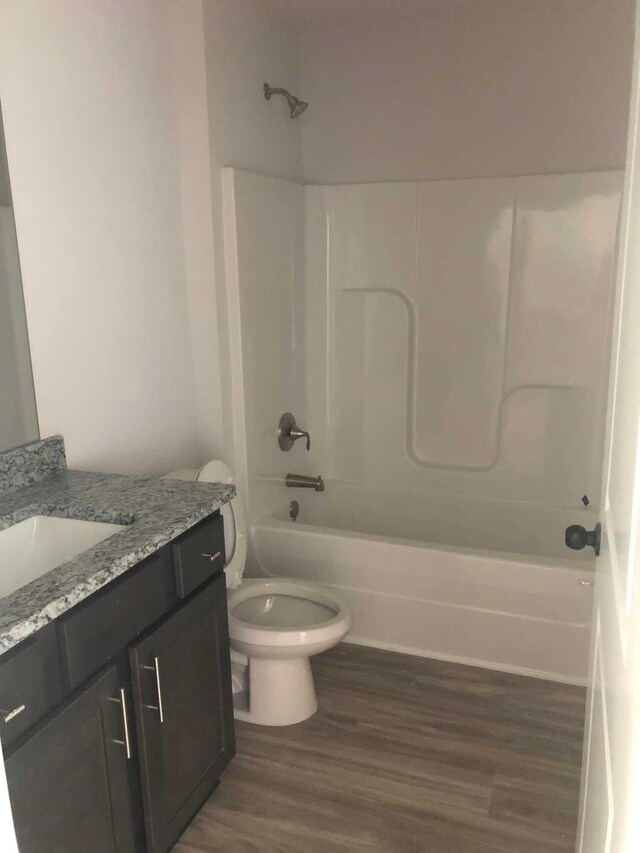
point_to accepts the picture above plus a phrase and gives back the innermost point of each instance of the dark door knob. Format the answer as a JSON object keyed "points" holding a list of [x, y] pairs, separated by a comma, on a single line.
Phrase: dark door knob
{"points": [[576, 537]]}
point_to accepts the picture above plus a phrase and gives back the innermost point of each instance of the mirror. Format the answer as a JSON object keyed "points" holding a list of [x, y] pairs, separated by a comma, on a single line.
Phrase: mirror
{"points": [[18, 416]]}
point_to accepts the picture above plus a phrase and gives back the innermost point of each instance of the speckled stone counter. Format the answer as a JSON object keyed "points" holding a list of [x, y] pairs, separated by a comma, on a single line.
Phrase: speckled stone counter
{"points": [[31, 463], [155, 512]]}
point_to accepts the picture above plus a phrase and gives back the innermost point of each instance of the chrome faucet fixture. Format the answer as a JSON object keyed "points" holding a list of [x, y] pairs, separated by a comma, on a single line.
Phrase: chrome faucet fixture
{"points": [[288, 432], [302, 481]]}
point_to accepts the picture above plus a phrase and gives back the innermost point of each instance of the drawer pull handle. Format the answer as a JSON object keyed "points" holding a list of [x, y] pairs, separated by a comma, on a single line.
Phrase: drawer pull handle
{"points": [[9, 715], [212, 557], [122, 701], [156, 668]]}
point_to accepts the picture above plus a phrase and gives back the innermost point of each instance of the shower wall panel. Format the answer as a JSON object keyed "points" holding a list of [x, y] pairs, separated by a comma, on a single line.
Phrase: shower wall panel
{"points": [[461, 291], [457, 333]]}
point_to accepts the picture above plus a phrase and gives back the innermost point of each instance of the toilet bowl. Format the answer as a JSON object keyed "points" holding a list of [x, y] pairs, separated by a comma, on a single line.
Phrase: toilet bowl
{"points": [[275, 625], [279, 623]]}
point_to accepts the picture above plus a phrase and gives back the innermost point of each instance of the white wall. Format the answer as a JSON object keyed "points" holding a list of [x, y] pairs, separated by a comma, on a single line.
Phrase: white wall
{"points": [[186, 24], [499, 87], [120, 117], [93, 153], [245, 47]]}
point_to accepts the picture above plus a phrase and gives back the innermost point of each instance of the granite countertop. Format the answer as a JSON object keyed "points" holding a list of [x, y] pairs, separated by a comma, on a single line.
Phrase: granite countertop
{"points": [[155, 512]]}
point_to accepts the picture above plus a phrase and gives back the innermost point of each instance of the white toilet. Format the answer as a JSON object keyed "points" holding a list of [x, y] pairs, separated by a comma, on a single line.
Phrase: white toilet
{"points": [[275, 624]]}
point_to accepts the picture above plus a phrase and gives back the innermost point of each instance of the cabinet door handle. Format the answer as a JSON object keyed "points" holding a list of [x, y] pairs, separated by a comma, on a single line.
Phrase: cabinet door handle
{"points": [[212, 557], [9, 715], [156, 668], [122, 701]]}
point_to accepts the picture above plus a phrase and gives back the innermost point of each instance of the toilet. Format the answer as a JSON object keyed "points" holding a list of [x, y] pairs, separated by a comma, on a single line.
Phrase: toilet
{"points": [[275, 624]]}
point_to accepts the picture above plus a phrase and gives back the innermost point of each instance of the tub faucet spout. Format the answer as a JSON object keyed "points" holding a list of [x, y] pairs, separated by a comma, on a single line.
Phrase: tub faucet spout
{"points": [[302, 481]]}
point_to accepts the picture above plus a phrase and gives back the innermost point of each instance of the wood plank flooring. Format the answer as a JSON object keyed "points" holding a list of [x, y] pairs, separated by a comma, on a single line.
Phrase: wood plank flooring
{"points": [[405, 754]]}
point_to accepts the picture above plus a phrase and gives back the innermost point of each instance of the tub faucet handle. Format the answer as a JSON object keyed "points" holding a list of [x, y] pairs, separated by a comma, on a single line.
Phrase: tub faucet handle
{"points": [[300, 433], [289, 432]]}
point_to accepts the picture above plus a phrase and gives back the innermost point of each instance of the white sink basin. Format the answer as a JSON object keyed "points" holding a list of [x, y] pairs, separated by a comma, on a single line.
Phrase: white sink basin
{"points": [[38, 544]]}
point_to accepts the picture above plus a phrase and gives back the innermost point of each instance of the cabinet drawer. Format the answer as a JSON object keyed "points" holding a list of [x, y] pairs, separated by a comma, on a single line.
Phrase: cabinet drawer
{"points": [[100, 627], [30, 683], [199, 554]]}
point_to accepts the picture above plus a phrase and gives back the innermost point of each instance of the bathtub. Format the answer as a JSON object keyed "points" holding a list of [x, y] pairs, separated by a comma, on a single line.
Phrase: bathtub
{"points": [[483, 583]]}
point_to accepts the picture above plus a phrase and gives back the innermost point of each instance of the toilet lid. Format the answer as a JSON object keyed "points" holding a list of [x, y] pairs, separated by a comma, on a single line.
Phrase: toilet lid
{"points": [[234, 519]]}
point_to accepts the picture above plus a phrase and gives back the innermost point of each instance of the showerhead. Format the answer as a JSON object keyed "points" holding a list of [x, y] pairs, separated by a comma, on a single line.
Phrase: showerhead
{"points": [[296, 106]]}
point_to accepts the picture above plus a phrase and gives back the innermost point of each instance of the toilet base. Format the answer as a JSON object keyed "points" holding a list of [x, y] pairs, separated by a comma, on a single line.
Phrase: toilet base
{"points": [[281, 692]]}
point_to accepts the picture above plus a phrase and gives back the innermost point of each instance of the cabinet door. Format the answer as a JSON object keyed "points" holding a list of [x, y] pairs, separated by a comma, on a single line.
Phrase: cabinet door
{"points": [[68, 781], [184, 712]]}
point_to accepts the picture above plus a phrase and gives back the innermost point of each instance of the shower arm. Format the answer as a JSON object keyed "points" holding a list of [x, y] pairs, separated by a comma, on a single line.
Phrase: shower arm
{"points": [[275, 90]]}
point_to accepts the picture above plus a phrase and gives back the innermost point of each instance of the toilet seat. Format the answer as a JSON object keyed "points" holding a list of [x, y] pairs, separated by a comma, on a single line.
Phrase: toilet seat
{"points": [[283, 631]]}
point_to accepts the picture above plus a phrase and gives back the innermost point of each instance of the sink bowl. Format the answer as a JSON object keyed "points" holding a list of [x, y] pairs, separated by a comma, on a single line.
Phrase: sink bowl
{"points": [[38, 544]]}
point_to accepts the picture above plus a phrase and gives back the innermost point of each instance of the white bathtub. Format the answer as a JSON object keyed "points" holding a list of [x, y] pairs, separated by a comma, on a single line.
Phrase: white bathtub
{"points": [[488, 584]]}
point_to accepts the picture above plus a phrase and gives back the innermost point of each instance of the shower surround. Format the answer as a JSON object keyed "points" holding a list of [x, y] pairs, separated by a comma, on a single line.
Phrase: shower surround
{"points": [[445, 344]]}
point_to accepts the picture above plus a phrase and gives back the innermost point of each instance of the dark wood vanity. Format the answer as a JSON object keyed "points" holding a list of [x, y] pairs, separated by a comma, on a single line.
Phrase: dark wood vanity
{"points": [[117, 717]]}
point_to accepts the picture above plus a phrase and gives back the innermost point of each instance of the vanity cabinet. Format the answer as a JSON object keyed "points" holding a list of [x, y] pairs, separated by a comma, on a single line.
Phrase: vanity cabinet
{"points": [[142, 727], [184, 714], [68, 782]]}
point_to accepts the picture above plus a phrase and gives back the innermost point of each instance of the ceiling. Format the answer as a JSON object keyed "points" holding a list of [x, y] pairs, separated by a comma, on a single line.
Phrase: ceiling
{"points": [[312, 14]]}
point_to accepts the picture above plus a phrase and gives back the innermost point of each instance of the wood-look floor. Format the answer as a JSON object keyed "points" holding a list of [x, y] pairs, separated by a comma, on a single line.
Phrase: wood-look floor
{"points": [[405, 754]]}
